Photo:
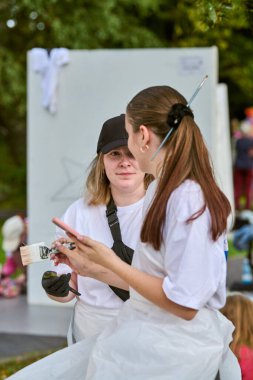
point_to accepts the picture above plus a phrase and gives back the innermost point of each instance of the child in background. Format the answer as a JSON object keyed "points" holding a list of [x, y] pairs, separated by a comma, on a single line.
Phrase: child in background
{"points": [[239, 309], [13, 276]]}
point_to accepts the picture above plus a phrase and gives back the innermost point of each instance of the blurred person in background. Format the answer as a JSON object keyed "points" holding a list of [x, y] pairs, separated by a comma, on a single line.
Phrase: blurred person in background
{"points": [[243, 165], [13, 274], [239, 310]]}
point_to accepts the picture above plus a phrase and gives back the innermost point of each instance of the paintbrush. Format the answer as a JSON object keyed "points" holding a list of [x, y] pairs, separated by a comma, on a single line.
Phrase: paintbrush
{"points": [[37, 252]]}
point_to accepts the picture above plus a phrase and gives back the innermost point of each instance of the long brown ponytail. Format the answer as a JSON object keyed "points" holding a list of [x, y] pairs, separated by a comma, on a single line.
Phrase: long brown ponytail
{"points": [[186, 158]]}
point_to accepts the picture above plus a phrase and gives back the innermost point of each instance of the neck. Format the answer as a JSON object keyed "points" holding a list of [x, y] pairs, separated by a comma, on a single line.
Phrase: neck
{"points": [[126, 198], [157, 164]]}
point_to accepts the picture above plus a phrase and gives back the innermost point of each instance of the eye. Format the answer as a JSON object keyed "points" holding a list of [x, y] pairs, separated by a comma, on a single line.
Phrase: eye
{"points": [[114, 153], [129, 155]]}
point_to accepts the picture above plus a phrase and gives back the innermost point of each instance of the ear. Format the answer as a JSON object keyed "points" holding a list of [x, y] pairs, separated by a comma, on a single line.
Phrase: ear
{"points": [[145, 135]]}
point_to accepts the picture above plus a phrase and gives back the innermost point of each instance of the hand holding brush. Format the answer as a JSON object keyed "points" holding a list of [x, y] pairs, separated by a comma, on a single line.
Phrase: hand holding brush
{"points": [[57, 286]]}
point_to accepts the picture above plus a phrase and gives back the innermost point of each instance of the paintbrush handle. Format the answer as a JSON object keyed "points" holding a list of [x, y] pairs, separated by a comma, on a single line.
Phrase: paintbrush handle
{"points": [[70, 246], [74, 291]]}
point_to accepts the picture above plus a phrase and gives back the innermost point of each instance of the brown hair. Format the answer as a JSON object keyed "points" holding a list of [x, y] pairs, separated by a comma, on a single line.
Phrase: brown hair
{"points": [[186, 158], [98, 185], [239, 310]]}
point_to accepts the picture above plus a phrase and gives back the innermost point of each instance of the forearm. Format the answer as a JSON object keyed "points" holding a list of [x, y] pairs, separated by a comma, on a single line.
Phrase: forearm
{"points": [[149, 287], [110, 278], [100, 273]]}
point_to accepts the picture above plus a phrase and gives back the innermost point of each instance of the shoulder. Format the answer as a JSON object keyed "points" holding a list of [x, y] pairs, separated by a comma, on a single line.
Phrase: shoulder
{"points": [[79, 215], [188, 190], [79, 204], [77, 208], [186, 199]]}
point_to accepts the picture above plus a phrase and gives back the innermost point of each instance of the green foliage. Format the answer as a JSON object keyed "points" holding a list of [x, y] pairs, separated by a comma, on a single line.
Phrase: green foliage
{"points": [[118, 24], [232, 251]]}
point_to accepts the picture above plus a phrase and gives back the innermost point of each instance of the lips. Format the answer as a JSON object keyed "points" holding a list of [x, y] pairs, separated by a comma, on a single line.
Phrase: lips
{"points": [[125, 174]]}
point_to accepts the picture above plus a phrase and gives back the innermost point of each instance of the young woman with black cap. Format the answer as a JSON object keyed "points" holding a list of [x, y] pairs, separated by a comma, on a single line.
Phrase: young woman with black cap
{"points": [[114, 174]]}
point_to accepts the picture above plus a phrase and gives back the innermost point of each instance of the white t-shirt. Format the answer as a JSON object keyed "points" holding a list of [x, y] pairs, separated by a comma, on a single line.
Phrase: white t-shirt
{"points": [[192, 264], [91, 221]]}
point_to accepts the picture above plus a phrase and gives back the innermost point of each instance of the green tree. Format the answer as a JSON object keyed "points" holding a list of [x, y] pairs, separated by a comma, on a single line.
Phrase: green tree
{"points": [[93, 24]]}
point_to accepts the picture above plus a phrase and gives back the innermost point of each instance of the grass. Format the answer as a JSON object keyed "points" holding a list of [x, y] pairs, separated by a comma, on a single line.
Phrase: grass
{"points": [[10, 366]]}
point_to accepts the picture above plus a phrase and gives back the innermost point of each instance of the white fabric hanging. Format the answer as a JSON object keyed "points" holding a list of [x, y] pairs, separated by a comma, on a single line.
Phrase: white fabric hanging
{"points": [[48, 65]]}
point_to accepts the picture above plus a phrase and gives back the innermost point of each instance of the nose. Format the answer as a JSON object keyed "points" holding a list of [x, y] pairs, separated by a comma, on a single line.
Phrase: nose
{"points": [[125, 160]]}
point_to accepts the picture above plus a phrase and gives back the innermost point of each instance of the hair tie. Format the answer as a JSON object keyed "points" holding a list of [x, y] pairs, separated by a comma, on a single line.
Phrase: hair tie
{"points": [[176, 114]]}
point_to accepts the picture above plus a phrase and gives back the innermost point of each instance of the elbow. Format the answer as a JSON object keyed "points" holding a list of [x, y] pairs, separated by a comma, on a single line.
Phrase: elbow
{"points": [[190, 315], [183, 312]]}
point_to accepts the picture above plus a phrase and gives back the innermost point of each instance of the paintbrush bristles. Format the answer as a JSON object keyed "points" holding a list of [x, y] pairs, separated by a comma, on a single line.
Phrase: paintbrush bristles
{"points": [[34, 253]]}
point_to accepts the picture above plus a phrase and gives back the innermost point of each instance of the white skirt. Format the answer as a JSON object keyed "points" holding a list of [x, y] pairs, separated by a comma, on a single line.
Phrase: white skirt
{"points": [[88, 320], [142, 343]]}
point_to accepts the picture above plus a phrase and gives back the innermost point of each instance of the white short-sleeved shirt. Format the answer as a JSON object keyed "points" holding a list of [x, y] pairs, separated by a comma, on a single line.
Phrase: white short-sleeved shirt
{"points": [[192, 264], [91, 221]]}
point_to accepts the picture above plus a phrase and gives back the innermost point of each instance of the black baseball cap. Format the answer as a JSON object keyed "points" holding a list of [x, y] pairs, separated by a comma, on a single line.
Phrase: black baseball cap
{"points": [[113, 134]]}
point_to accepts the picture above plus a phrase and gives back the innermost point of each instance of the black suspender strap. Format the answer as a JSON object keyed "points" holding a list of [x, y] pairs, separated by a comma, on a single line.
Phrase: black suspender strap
{"points": [[121, 250], [113, 221]]}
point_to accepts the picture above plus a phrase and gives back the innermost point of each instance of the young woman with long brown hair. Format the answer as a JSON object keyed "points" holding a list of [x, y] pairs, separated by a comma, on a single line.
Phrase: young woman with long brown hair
{"points": [[170, 328]]}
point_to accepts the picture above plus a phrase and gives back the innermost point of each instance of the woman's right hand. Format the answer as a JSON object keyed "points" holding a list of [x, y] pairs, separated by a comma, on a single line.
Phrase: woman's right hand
{"points": [[60, 258], [93, 251], [80, 264], [92, 263]]}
